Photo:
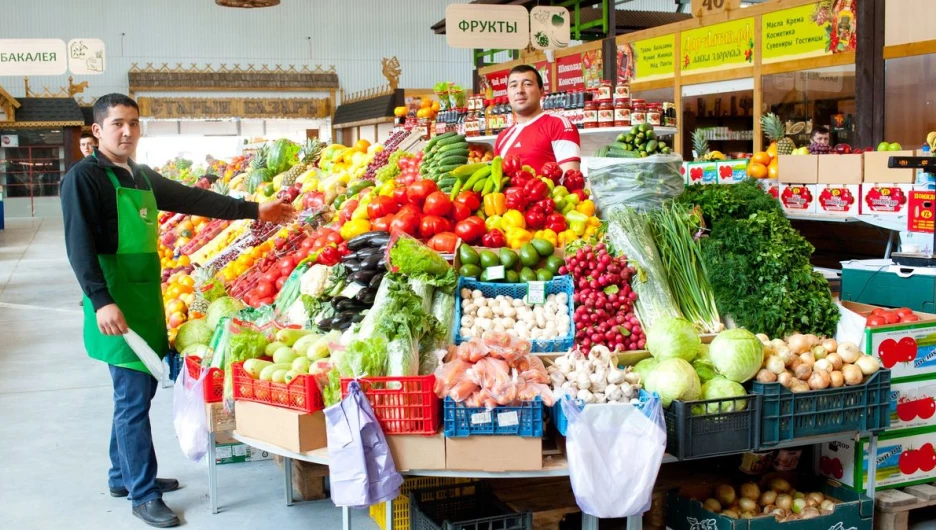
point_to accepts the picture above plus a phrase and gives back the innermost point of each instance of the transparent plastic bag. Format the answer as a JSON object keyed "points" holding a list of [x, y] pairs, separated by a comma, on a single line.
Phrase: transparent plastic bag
{"points": [[149, 358], [188, 415], [615, 451], [641, 183]]}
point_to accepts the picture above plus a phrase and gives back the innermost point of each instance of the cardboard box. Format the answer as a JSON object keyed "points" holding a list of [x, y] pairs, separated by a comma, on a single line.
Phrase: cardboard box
{"points": [[732, 171], [876, 170], [907, 350], [904, 458], [920, 211], [701, 173], [885, 199], [841, 169], [494, 453], [224, 438], [771, 187], [798, 169], [798, 198], [237, 453], [838, 199], [218, 419], [296, 431], [913, 405], [412, 451]]}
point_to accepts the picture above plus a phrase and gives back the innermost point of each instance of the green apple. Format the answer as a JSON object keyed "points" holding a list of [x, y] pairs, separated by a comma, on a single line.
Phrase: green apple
{"points": [[883, 146], [894, 147]]}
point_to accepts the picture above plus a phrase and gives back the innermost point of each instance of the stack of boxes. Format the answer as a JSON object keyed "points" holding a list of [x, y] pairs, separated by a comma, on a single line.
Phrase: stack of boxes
{"points": [[227, 449], [715, 171], [886, 191]]}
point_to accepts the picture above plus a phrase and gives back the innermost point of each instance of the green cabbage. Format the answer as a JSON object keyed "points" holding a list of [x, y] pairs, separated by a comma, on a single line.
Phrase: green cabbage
{"points": [[721, 388], [674, 379], [644, 367], [737, 354], [673, 338], [705, 369], [220, 308], [198, 350], [192, 333]]}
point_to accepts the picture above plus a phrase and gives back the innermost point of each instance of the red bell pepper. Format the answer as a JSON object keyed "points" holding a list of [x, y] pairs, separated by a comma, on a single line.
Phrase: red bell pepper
{"points": [[432, 225], [573, 180], [536, 190], [555, 222], [547, 205], [469, 199], [516, 199], [494, 239], [460, 211], [470, 229], [535, 218], [521, 179], [512, 165], [381, 206], [347, 209], [582, 195], [343, 249], [552, 171]]}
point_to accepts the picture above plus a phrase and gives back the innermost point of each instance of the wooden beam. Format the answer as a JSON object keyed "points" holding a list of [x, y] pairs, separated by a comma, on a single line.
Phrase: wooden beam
{"points": [[655, 84], [758, 85], [869, 73], [910, 49], [360, 123], [609, 60], [719, 75], [810, 63]]}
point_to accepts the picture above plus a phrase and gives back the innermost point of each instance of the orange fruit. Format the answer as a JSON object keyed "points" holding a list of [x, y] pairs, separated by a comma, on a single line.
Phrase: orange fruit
{"points": [[399, 112], [184, 289], [186, 279], [761, 158], [757, 171], [362, 145], [423, 113], [425, 103], [435, 106]]}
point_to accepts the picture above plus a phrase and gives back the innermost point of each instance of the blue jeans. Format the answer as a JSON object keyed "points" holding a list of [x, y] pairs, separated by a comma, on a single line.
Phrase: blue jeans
{"points": [[133, 459]]}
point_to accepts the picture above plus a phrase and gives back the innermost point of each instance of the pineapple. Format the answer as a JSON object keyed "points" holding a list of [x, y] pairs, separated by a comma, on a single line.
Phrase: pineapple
{"points": [[201, 276], [260, 158], [700, 145], [222, 188], [309, 153], [775, 130]]}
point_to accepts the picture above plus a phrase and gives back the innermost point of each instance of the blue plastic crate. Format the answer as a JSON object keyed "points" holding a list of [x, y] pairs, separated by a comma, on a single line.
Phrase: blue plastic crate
{"points": [[559, 284], [524, 420], [562, 423]]}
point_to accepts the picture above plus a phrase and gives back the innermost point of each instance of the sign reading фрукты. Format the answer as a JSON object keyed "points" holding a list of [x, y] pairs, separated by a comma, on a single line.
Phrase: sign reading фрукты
{"points": [[33, 57], [487, 26]]}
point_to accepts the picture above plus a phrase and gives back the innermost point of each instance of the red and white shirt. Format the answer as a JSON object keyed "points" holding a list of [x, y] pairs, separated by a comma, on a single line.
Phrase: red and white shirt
{"points": [[545, 138]]}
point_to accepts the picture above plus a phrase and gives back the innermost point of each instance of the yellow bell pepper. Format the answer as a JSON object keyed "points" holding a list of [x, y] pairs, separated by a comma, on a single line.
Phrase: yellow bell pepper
{"points": [[513, 219], [591, 231], [354, 228], [387, 188], [586, 207], [517, 237], [495, 204], [548, 235], [567, 236], [593, 221], [493, 222]]}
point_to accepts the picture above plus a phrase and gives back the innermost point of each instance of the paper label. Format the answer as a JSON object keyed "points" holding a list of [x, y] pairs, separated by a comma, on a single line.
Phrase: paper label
{"points": [[536, 293], [495, 273], [508, 419], [480, 417]]}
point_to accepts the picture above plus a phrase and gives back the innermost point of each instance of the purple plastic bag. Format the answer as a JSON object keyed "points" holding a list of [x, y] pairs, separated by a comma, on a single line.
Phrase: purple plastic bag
{"points": [[361, 468]]}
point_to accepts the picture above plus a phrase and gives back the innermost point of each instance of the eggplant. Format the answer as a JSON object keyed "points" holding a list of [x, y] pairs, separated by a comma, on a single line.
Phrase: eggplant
{"points": [[375, 281], [353, 266], [336, 301], [372, 263], [362, 277], [382, 264], [344, 319], [366, 296], [370, 239], [348, 304], [359, 317]]}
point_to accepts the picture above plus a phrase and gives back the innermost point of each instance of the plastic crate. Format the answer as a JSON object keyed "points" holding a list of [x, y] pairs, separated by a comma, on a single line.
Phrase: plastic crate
{"points": [[787, 416], [559, 284], [562, 423], [403, 405], [716, 427], [214, 379], [524, 420], [302, 393], [401, 504], [469, 506]]}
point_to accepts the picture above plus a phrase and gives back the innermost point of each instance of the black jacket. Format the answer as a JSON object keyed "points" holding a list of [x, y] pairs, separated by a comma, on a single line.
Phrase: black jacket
{"points": [[89, 206]]}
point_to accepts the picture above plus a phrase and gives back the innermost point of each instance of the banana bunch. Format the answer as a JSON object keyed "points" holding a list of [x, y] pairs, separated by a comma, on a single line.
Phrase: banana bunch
{"points": [[931, 141], [480, 177], [442, 155]]}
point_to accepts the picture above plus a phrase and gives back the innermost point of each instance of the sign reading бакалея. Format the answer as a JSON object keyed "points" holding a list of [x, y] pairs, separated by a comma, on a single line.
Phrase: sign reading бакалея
{"points": [[33, 57], [487, 26]]}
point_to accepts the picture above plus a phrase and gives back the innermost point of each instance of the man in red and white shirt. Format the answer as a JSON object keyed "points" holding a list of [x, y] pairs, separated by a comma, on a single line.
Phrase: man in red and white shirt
{"points": [[536, 137]]}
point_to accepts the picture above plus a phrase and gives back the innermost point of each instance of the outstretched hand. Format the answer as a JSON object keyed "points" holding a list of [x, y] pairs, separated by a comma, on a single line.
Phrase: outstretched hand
{"points": [[277, 212]]}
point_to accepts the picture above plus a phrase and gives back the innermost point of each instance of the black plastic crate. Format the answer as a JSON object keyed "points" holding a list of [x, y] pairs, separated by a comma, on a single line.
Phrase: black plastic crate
{"points": [[786, 415], [469, 506], [712, 427]]}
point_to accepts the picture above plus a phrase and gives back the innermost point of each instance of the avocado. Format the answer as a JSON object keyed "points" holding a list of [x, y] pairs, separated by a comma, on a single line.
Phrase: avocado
{"points": [[528, 255], [513, 277], [485, 276], [543, 248], [489, 258], [469, 271], [544, 275], [554, 263], [527, 275], [468, 255], [508, 258]]}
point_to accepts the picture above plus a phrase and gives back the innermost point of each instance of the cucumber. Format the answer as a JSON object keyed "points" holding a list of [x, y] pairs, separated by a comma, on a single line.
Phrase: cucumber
{"points": [[360, 185], [468, 169], [437, 139], [447, 181], [455, 152], [454, 159], [449, 140], [448, 168], [453, 147]]}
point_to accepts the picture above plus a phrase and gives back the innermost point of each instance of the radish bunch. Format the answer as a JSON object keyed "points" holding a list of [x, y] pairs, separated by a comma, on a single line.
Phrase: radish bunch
{"points": [[604, 301]]}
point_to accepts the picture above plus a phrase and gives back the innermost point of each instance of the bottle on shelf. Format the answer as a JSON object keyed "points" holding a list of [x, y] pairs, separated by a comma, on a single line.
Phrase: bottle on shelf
{"points": [[508, 115]]}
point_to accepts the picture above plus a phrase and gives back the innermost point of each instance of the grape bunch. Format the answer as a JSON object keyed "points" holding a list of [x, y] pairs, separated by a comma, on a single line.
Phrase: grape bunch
{"points": [[262, 229], [604, 301], [380, 160]]}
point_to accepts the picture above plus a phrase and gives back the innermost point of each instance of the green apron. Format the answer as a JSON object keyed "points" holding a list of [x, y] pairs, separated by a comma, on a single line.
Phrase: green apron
{"points": [[133, 280]]}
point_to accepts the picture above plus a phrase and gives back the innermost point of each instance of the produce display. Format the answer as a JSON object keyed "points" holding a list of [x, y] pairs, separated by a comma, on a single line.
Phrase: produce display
{"points": [[536, 261], [514, 316], [640, 141], [778, 500], [807, 362], [594, 377]]}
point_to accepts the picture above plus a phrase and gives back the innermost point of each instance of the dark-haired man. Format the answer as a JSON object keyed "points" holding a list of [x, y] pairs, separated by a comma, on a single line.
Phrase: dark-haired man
{"points": [[110, 205], [820, 135], [87, 144], [536, 137]]}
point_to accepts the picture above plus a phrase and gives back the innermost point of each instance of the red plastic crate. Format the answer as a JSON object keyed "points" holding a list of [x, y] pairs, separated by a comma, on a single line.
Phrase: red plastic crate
{"points": [[302, 393], [403, 405], [214, 379]]}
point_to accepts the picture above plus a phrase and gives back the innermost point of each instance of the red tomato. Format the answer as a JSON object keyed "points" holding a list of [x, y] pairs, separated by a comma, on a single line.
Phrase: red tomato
{"points": [[286, 263], [910, 318], [382, 224], [878, 311], [381, 206], [405, 221], [279, 283], [471, 229], [891, 317], [443, 242], [334, 237], [264, 289], [904, 311], [437, 203], [399, 195], [432, 225], [875, 321], [302, 253], [269, 300], [460, 212], [270, 276], [469, 199], [319, 243], [420, 190], [307, 243]]}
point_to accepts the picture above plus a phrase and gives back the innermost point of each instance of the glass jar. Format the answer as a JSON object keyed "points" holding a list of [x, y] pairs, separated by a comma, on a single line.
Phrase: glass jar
{"points": [[639, 114], [622, 91], [604, 91], [655, 114], [606, 114], [669, 114], [622, 113], [590, 115]]}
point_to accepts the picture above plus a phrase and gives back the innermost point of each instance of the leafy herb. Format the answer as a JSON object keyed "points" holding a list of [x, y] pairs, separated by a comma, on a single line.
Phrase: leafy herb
{"points": [[738, 201]]}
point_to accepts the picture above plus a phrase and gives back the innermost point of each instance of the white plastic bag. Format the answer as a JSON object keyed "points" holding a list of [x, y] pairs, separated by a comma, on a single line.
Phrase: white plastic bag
{"points": [[188, 415], [146, 354], [614, 452]]}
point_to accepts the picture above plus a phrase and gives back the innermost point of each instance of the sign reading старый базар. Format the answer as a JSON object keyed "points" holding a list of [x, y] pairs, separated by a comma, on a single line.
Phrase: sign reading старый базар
{"points": [[33, 57]]}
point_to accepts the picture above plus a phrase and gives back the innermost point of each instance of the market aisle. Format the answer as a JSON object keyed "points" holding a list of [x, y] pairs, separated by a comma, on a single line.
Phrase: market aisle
{"points": [[55, 408]]}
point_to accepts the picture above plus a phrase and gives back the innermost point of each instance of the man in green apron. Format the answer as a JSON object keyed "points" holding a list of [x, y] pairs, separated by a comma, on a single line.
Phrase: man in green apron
{"points": [[110, 206]]}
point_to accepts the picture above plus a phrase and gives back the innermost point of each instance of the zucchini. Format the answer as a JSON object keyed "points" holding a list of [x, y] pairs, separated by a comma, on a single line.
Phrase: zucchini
{"points": [[455, 152], [450, 181]]}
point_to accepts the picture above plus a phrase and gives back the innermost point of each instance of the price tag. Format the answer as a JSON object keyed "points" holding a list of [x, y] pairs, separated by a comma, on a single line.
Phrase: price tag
{"points": [[479, 418], [508, 419], [495, 273], [536, 293]]}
